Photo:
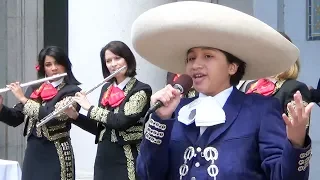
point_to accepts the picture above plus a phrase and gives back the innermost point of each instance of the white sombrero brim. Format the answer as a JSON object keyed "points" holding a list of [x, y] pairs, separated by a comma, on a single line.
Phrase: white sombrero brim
{"points": [[164, 34]]}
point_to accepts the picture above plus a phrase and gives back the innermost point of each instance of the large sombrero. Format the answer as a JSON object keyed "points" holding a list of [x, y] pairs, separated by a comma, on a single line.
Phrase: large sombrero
{"points": [[164, 34]]}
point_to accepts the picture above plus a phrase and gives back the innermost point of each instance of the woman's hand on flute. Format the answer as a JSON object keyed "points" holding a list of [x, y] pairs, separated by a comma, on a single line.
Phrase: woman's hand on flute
{"points": [[82, 100], [17, 91], [72, 113]]}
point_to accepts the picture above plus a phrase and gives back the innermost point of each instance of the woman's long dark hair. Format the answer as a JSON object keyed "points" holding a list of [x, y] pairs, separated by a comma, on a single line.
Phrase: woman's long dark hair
{"points": [[61, 58]]}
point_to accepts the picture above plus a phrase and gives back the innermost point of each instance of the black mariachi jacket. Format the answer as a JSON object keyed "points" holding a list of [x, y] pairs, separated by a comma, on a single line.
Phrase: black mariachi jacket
{"points": [[315, 95], [34, 110], [122, 124], [285, 90]]}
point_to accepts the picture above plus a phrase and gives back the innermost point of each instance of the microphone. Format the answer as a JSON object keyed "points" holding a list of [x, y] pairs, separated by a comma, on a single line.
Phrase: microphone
{"points": [[183, 84]]}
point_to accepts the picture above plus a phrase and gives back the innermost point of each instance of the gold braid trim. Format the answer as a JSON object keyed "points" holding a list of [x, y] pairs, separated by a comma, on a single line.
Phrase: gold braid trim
{"points": [[101, 134], [56, 136], [63, 116], [131, 136], [136, 103], [113, 136], [31, 109], [99, 114], [57, 127], [135, 128], [129, 86], [30, 123], [65, 154], [130, 162]]}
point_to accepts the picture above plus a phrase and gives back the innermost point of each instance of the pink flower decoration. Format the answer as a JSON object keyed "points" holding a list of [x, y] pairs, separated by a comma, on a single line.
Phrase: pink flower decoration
{"points": [[37, 67]]}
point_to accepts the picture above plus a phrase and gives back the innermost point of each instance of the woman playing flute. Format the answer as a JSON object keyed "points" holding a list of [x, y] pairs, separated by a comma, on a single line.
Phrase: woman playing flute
{"points": [[224, 134], [116, 120], [49, 153]]}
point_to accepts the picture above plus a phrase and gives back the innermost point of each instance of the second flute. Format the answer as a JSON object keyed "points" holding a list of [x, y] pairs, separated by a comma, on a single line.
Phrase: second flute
{"points": [[61, 110]]}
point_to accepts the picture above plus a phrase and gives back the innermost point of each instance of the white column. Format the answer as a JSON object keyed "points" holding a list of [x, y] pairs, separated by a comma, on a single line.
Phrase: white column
{"points": [[20, 41], [92, 24]]}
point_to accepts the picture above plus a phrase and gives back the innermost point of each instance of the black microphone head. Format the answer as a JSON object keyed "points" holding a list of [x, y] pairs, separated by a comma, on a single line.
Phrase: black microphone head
{"points": [[185, 82]]}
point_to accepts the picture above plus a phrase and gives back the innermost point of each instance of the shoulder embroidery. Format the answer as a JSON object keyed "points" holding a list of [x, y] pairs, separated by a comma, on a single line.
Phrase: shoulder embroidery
{"points": [[136, 103], [31, 109]]}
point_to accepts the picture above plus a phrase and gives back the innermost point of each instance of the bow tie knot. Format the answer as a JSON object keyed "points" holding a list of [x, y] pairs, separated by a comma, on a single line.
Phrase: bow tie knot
{"points": [[204, 111], [262, 86], [46, 92], [113, 97]]}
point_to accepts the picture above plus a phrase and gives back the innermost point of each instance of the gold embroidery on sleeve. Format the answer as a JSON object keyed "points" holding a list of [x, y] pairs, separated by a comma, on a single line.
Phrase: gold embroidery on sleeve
{"points": [[31, 109], [99, 114], [136, 103]]}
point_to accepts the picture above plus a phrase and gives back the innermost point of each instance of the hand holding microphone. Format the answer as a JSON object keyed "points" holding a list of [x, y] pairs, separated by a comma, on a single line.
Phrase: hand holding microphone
{"points": [[165, 101]]}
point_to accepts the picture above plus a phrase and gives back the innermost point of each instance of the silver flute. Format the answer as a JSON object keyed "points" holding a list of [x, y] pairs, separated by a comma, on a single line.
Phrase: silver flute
{"points": [[62, 109], [3, 90]]}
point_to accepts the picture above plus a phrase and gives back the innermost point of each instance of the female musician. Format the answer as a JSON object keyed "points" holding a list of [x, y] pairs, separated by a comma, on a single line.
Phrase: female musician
{"points": [[49, 153], [116, 121], [282, 86], [223, 133]]}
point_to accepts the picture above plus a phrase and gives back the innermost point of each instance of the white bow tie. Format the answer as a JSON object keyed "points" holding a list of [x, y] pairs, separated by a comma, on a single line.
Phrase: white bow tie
{"points": [[204, 111]]}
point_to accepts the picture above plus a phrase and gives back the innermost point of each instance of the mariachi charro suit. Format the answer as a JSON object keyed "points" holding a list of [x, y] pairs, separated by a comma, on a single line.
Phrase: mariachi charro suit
{"points": [[250, 145], [49, 154], [118, 131]]}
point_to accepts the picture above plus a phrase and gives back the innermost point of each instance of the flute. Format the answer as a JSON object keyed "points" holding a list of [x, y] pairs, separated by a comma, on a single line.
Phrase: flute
{"points": [[3, 90], [62, 109]]}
